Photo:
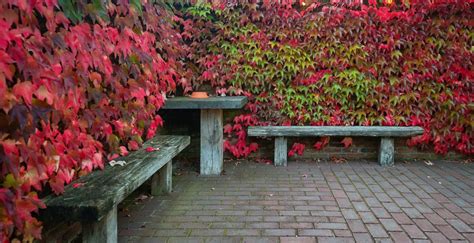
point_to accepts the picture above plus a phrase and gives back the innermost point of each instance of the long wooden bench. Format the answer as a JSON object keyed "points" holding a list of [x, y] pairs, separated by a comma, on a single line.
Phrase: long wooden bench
{"points": [[94, 203], [387, 133]]}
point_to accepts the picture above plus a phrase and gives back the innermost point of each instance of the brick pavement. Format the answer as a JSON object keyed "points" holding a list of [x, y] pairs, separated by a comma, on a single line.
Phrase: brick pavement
{"points": [[311, 202]]}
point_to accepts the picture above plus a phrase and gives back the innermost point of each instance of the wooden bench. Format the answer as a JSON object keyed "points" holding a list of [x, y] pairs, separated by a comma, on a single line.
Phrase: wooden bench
{"points": [[387, 133], [94, 204]]}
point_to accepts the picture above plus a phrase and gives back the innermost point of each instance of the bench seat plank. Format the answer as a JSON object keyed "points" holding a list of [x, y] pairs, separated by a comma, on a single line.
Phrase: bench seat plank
{"points": [[104, 189], [310, 131], [211, 103]]}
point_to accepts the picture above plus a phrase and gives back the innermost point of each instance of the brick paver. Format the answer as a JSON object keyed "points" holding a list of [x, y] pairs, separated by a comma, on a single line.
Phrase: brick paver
{"points": [[310, 202]]}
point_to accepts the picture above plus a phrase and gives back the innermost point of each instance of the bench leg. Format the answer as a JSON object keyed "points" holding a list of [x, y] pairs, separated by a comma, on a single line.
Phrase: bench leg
{"points": [[386, 152], [103, 231], [161, 182], [281, 153], [212, 147]]}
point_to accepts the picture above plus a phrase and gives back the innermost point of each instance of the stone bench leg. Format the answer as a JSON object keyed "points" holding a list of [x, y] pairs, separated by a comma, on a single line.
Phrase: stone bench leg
{"points": [[386, 152], [104, 230], [281, 153], [161, 182]]}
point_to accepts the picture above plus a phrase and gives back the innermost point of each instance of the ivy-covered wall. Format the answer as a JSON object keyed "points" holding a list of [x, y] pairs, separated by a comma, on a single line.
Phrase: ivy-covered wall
{"points": [[81, 82], [406, 65]]}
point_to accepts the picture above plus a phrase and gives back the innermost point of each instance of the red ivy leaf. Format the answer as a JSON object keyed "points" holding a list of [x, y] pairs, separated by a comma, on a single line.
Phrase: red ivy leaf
{"points": [[228, 129], [77, 185], [133, 145], [43, 94], [123, 151], [24, 90], [151, 149], [347, 141], [297, 148]]}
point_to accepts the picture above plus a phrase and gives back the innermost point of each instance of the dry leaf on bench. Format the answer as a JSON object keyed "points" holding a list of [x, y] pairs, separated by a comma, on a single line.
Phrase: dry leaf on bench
{"points": [[120, 162]]}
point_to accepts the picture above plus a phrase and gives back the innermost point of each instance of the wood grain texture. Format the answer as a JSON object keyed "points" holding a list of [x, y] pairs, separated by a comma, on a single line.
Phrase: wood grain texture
{"points": [[104, 230], [219, 102], [310, 131], [161, 182], [104, 189], [212, 149], [386, 152], [281, 151]]}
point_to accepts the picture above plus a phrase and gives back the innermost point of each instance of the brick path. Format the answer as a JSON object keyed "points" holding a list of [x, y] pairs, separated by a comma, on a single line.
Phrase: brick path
{"points": [[309, 202]]}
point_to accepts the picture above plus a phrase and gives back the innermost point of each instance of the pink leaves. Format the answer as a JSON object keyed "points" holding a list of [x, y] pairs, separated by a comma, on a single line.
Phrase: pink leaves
{"points": [[228, 129], [347, 141], [123, 151], [75, 93], [57, 69], [77, 185], [322, 143], [297, 148], [151, 149], [43, 94], [133, 145], [157, 122], [24, 90]]}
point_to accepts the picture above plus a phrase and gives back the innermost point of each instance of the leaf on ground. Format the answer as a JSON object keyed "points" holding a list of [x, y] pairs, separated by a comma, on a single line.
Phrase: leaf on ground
{"points": [[141, 198], [338, 160], [263, 161]]}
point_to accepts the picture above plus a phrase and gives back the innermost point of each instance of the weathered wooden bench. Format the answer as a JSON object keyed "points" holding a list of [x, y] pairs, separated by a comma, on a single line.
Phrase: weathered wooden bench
{"points": [[387, 133], [94, 203]]}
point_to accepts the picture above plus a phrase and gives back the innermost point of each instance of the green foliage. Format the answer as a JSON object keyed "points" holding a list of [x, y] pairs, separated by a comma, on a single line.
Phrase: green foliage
{"points": [[342, 66]]}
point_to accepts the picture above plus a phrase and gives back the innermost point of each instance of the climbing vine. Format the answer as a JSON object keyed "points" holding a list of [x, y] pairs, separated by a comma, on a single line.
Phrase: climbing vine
{"points": [[409, 64], [80, 83]]}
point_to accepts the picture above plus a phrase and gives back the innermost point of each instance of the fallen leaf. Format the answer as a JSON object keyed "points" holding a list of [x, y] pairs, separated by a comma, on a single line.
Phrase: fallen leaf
{"points": [[338, 160], [77, 185], [120, 162], [151, 149], [141, 198]]}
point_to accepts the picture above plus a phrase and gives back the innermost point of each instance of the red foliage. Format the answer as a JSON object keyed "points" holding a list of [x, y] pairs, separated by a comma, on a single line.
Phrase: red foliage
{"points": [[73, 90], [347, 142], [297, 148], [338, 64]]}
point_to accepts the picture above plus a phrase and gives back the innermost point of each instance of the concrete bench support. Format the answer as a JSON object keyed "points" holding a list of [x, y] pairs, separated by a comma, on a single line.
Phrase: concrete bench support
{"points": [[105, 230], [387, 152], [281, 148], [161, 182]]}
